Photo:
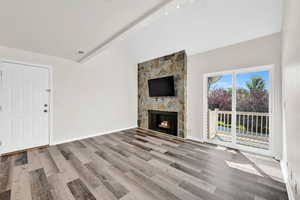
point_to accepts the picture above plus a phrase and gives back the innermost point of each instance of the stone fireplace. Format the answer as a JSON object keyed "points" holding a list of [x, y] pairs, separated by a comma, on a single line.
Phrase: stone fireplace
{"points": [[163, 121], [150, 109]]}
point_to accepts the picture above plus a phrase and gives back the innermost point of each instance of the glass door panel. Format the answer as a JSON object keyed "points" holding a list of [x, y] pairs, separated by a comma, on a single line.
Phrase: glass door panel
{"points": [[219, 115], [252, 109]]}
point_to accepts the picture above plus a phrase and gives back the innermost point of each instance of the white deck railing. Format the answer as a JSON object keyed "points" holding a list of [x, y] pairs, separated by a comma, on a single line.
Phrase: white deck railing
{"points": [[248, 124]]}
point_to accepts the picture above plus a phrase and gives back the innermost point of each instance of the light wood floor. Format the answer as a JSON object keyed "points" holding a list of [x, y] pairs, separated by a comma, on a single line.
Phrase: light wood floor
{"points": [[132, 165]]}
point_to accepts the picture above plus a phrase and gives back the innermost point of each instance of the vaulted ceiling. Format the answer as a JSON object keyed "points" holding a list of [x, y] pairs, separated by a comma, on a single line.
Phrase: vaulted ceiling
{"points": [[62, 28], [205, 25]]}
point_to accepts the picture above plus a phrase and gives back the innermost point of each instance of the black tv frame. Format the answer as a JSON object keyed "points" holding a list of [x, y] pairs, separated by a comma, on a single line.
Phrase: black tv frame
{"points": [[171, 80]]}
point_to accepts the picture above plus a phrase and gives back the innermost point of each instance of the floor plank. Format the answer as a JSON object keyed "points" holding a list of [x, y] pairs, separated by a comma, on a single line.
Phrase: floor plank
{"points": [[40, 188], [21, 159], [80, 191], [21, 184], [111, 184], [5, 173]]}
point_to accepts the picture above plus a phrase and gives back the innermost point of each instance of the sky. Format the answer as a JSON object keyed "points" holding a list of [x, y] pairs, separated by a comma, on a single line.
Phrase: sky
{"points": [[241, 79]]}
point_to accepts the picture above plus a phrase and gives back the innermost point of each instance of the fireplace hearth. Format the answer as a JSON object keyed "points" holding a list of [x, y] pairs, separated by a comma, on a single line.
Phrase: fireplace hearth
{"points": [[163, 121]]}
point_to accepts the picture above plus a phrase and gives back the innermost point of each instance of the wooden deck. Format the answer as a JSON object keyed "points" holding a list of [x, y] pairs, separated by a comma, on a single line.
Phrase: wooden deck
{"points": [[132, 165]]}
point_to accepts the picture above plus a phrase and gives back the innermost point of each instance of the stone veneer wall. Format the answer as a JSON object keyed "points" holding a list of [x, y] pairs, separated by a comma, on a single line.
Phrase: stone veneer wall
{"points": [[174, 64]]}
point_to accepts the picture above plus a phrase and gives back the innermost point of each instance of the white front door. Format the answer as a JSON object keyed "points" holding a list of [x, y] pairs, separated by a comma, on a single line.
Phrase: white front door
{"points": [[24, 107]]}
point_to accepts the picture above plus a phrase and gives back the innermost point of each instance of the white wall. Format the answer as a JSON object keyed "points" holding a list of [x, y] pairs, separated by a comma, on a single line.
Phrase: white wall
{"points": [[205, 25], [291, 92], [253, 53], [95, 97]]}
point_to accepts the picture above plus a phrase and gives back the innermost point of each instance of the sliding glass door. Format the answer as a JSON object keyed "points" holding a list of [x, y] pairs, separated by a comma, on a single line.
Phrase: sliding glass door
{"points": [[237, 109], [252, 109], [220, 108]]}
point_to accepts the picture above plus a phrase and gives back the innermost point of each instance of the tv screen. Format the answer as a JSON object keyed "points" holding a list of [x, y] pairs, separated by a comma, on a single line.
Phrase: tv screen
{"points": [[161, 87]]}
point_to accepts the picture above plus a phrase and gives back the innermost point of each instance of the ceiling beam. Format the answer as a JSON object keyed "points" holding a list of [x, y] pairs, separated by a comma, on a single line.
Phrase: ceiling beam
{"points": [[140, 22]]}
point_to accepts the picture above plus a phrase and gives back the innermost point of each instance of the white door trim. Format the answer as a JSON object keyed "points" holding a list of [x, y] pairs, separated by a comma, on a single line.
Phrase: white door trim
{"points": [[50, 69], [270, 68]]}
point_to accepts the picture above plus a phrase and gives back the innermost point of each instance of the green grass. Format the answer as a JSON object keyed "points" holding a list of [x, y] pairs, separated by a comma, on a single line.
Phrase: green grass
{"points": [[240, 127]]}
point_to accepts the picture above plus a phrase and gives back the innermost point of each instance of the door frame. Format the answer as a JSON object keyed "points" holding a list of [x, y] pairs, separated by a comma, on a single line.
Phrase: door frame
{"points": [[50, 69], [233, 144]]}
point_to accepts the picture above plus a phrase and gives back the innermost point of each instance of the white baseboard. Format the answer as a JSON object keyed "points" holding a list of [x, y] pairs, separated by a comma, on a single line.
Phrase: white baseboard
{"points": [[194, 139], [285, 175], [284, 170], [89, 136]]}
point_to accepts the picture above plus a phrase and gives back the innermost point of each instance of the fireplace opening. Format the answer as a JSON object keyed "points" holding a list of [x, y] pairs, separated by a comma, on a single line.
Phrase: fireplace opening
{"points": [[163, 121], [164, 124]]}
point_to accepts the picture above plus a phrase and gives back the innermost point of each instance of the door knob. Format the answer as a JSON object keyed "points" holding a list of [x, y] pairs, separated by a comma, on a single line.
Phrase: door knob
{"points": [[45, 105], [45, 110]]}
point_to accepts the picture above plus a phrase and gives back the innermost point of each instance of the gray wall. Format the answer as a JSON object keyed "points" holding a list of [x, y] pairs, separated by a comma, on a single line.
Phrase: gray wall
{"points": [[253, 53], [291, 91]]}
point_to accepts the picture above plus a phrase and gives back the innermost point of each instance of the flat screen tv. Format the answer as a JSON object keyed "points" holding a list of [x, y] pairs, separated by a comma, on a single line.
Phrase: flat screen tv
{"points": [[160, 87]]}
